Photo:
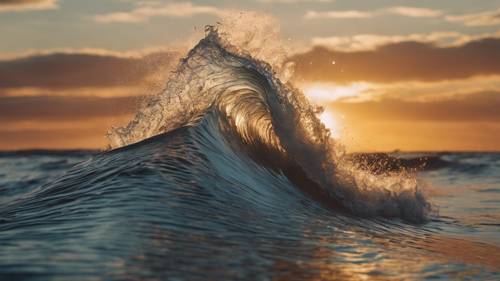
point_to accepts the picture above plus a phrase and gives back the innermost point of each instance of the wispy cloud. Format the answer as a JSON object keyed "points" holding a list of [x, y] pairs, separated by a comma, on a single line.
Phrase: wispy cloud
{"points": [[487, 18], [414, 12], [26, 5], [350, 14], [363, 42], [147, 10], [407, 11]]}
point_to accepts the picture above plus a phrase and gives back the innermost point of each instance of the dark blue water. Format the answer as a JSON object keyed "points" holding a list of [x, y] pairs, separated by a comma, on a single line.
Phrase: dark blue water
{"points": [[145, 212]]}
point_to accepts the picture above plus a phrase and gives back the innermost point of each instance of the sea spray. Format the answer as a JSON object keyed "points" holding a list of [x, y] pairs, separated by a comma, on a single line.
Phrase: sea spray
{"points": [[228, 71]]}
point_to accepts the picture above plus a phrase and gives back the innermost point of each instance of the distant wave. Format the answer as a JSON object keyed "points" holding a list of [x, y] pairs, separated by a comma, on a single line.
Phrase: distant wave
{"points": [[380, 163]]}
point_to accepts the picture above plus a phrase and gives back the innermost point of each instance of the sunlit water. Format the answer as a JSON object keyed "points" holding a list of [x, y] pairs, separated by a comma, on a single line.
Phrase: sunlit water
{"points": [[145, 213]]}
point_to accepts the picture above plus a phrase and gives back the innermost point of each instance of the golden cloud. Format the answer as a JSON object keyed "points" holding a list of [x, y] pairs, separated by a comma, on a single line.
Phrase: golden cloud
{"points": [[402, 61], [146, 10], [26, 5], [487, 18]]}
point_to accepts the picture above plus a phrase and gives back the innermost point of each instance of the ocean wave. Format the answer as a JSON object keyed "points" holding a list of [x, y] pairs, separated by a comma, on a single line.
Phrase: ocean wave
{"points": [[248, 98]]}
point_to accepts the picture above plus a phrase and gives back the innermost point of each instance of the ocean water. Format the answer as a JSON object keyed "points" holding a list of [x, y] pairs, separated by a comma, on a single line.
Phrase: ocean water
{"points": [[228, 174]]}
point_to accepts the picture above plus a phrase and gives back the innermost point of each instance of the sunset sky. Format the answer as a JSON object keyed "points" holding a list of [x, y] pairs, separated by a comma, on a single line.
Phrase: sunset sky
{"points": [[409, 75]]}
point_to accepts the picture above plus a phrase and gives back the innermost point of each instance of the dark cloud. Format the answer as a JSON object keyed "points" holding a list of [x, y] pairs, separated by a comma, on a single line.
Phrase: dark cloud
{"points": [[394, 62], [401, 62], [59, 71], [478, 107], [59, 108]]}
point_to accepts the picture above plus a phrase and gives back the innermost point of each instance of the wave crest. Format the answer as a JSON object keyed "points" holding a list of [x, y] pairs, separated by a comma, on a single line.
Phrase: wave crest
{"points": [[249, 95]]}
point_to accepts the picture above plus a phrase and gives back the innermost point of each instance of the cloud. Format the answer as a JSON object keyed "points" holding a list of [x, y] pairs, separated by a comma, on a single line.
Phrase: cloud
{"points": [[26, 5], [488, 18], [350, 14], [414, 91], [363, 42], [73, 70], [403, 61], [356, 14], [414, 12], [57, 108], [388, 60], [133, 53], [430, 91], [472, 107], [147, 10], [360, 42]]}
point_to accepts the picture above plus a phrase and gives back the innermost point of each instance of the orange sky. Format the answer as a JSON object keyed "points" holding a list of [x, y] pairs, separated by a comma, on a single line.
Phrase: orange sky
{"points": [[422, 77], [63, 108]]}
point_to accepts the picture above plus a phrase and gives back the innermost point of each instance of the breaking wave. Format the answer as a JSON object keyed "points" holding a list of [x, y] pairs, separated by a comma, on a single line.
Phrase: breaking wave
{"points": [[227, 92]]}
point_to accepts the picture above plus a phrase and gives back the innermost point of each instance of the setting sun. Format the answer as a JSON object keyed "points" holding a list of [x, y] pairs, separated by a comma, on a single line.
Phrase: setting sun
{"points": [[324, 93], [331, 121]]}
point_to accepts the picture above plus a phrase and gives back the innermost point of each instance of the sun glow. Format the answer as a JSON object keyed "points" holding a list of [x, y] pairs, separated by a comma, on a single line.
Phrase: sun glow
{"points": [[322, 94], [331, 121], [332, 92]]}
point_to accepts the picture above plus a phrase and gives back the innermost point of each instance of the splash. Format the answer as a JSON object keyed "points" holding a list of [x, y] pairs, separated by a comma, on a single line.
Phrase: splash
{"points": [[240, 77]]}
